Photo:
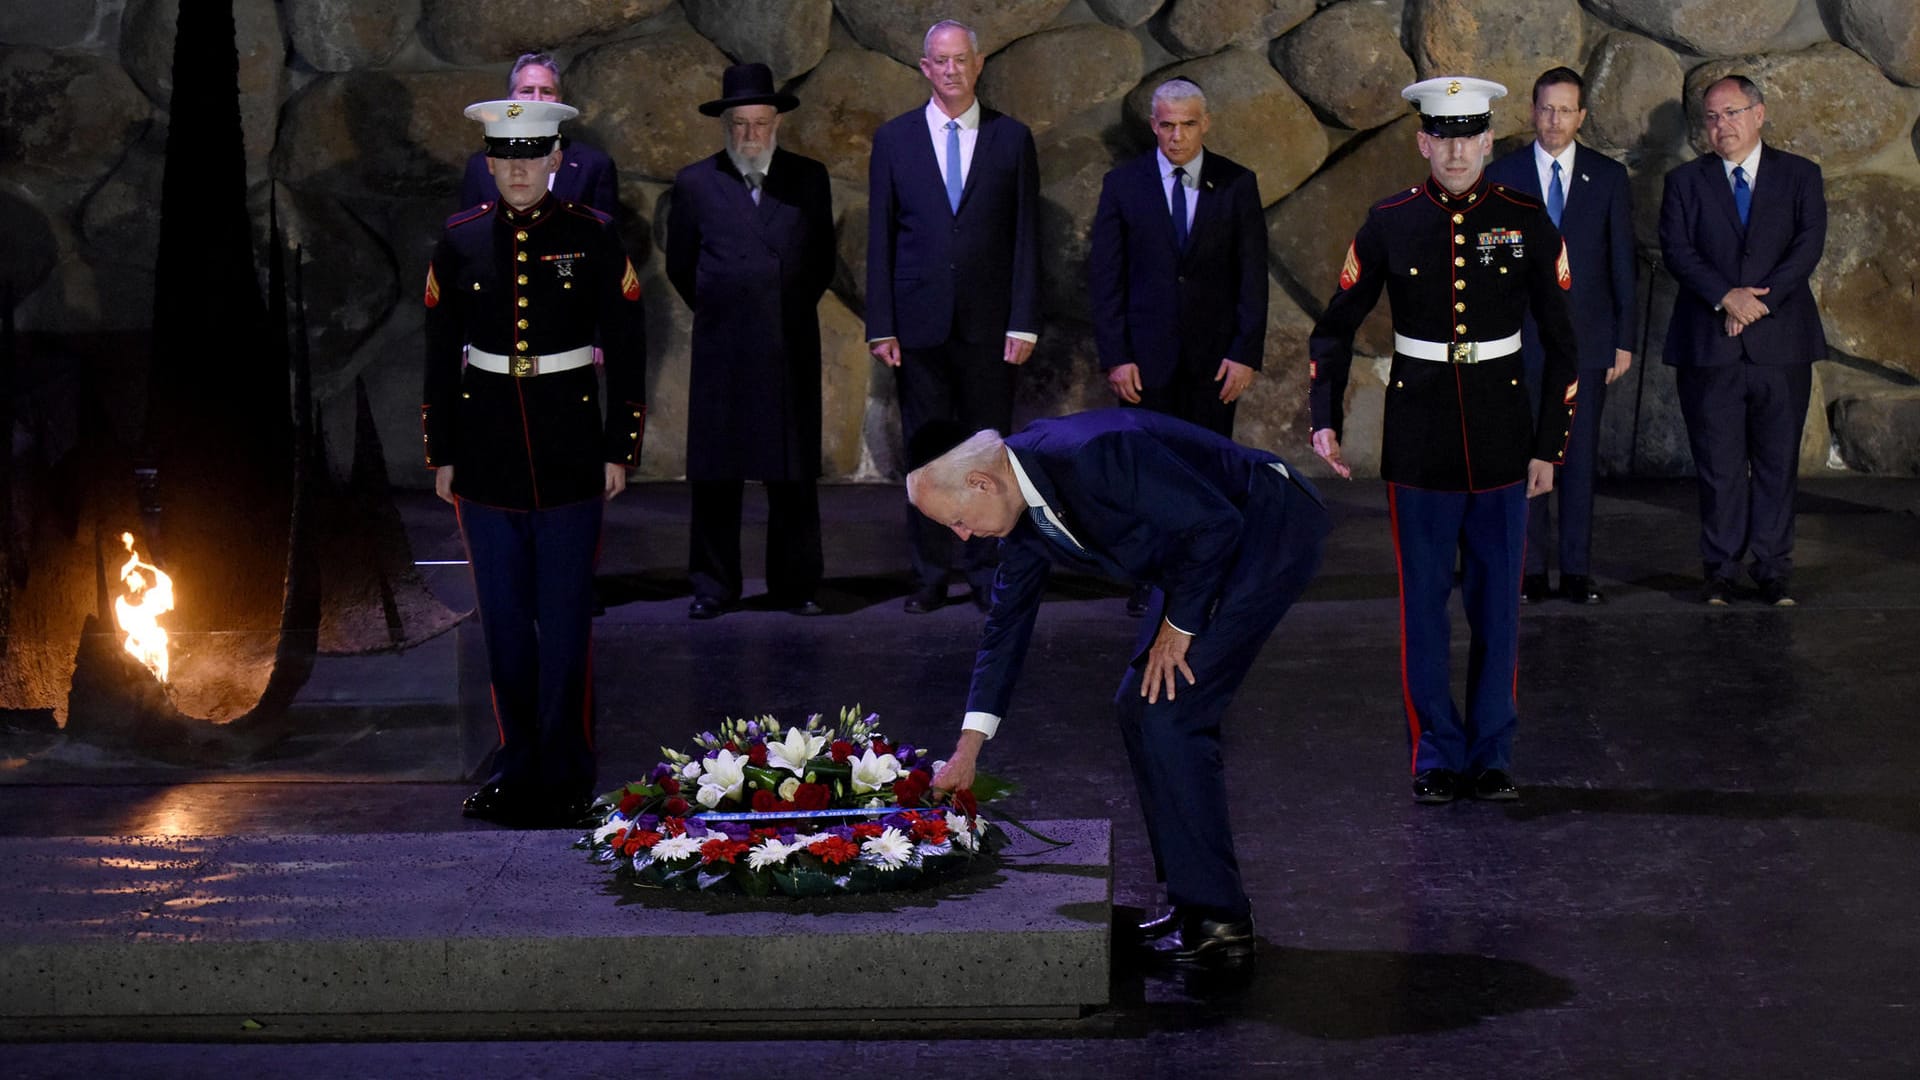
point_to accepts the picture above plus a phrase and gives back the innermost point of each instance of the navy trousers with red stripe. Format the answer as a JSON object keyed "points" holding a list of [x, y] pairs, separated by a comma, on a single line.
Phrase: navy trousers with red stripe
{"points": [[1488, 529], [533, 583]]}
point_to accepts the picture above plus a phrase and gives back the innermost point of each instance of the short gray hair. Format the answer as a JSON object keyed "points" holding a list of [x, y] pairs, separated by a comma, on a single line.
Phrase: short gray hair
{"points": [[981, 452], [926, 41], [1747, 86], [528, 60], [1179, 89]]}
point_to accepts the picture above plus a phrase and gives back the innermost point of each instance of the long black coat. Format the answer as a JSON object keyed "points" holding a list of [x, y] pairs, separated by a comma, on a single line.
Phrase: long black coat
{"points": [[753, 276]]}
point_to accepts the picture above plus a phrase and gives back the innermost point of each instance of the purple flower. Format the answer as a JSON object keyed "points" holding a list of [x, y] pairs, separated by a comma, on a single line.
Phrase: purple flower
{"points": [[897, 821], [844, 832], [648, 822], [660, 772], [753, 729]]}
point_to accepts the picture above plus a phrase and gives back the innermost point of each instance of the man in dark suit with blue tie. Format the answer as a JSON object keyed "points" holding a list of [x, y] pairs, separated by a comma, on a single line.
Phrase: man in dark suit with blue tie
{"points": [[1741, 231], [585, 175], [1229, 535], [1586, 194], [953, 267]]}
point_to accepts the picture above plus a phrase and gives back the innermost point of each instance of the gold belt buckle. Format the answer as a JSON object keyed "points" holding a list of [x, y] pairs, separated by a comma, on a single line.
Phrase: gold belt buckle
{"points": [[1466, 352], [524, 366]]}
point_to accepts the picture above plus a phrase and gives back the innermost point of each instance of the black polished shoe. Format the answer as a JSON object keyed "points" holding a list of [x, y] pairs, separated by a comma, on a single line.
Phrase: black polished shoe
{"points": [[703, 608], [1494, 785], [1160, 925], [493, 802], [925, 600], [1580, 589], [1718, 593], [1533, 588], [1773, 593], [1435, 786], [1137, 603], [806, 608], [1212, 943]]}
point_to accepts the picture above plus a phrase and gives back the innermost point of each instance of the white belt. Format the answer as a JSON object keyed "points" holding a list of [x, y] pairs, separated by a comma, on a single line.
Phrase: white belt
{"points": [[523, 366], [1456, 352]]}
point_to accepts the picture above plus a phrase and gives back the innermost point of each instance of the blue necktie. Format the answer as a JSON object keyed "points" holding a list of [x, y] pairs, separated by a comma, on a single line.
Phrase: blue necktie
{"points": [[1556, 197], [1742, 194], [953, 165], [1052, 532], [1180, 208]]}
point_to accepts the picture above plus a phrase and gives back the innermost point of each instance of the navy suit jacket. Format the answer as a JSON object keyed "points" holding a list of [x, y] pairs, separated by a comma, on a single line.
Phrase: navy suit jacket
{"points": [[1598, 228], [1169, 310], [1150, 498], [1708, 254], [586, 176], [934, 275]]}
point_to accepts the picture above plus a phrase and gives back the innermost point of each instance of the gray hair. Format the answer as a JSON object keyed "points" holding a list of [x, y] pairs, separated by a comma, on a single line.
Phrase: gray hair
{"points": [[926, 41], [981, 452], [1179, 89], [528, 60], [1747, 86]]}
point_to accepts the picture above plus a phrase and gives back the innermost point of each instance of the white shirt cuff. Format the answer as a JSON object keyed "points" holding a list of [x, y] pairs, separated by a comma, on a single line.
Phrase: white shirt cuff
{"points": [[1189, 633], [983, 722], [1024, 335]]}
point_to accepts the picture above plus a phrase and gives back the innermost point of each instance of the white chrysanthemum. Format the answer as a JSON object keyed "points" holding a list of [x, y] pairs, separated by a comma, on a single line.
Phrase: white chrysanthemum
{"points": [[690, 771], [789, 787], [874, 771], [614, 825], [676, 847], [793, 752], [889, 851], [801, 843], [957, 829], [768, 852], [724, 778]]}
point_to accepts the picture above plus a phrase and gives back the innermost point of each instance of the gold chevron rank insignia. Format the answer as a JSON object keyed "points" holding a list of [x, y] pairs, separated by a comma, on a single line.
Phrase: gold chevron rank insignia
{"points": [[1350, 270], [433, 288], [630, 283]]}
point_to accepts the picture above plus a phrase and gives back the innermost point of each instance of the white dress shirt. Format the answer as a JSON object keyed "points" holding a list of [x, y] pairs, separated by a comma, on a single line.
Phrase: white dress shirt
{"points": [[1751, 164], [1192, 182], [1543, 167]]}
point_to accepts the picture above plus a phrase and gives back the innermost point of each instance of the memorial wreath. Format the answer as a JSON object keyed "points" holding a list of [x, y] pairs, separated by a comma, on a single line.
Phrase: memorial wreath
{"points": [[810, 809]]}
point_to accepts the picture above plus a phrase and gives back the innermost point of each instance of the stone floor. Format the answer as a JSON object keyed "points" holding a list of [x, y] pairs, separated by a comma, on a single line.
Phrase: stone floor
{"points": [[1711, 871]]}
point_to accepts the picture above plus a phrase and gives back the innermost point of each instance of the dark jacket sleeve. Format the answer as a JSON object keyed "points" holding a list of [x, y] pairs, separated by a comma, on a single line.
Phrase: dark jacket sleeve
{"points": [[1622, 264], [816, 211], [1140, 476], [1017, 588], [1107, 275], [1547, 284], [1331, 346], [880, 239], [1795, 267], [445, 336], [623, 343], [683, 236], [603, 194], [1024, 313], [1680, 210], [1250, 337], [476, 185]]}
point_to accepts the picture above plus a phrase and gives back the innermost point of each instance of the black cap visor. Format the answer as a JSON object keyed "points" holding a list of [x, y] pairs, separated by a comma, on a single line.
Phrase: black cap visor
{"points": [[1455, 127], [522, 148]]}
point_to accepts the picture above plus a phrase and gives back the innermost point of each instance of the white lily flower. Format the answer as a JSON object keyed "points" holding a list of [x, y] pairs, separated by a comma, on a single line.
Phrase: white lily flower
{"points": [[676, 847], [768, 852], [961, 834], [690, 771], [874, 771], [724, 777], [889, 851], [793, 752], [600, 834], [788, 788]]}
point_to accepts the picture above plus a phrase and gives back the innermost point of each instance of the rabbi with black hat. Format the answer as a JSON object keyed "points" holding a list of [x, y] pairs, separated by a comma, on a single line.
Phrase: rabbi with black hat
{"points": [[1464, 261], [750, 249], [517, 293]]}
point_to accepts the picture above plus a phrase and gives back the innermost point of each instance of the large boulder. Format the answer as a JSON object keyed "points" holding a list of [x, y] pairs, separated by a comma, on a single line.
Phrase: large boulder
{"points": [[388, 133], [1124, 13], [146, 48], [663, 450], [789, 37], [850, 248], [1633, 95], [1825, 102], [1273, 412], [341, 35], [55, 26], [1886, 32], [845, 372], [842, 101], [1879, 433], [1258, 120], [899, 27], [1702, 27], [640, 101], [1510, 43], [348, 277], [1063, 376], [499, 30], [1867, 279], [1029, 79], [1348, 62], [1192, 28], [71, 114], [118, 220], [1070, 176], [1308, 231]]}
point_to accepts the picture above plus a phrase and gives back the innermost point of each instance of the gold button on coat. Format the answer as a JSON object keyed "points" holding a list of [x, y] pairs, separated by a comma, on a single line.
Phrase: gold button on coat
{"points": [[523, 301], [521, 235], [520, 346], [1459, 260], [522, 324], [522, 256], [1459, 283], [522, 279]]}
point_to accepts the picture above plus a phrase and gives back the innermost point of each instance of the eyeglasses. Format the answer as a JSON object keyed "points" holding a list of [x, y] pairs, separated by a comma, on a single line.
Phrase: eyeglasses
{"points": [[1556, 112], [1713, 118]]}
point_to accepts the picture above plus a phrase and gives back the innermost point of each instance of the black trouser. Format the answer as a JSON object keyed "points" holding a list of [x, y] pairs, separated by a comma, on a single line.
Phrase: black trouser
{"points": [[1744, 424], [1193, 397], [972, 384], [794, 562]]}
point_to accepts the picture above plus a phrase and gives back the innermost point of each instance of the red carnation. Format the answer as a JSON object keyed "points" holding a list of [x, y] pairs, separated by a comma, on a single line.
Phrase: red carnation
{"points": [[880, 746], [722, 849], [757, 753], [866, 829], [764, 801], [669, 786], [833, 850], [784, 805], [841, 750], [629, 802], [813, 797], [731, 747], [911, 788], [930, 830], [762, 834], [676, 807], [964, 802]]}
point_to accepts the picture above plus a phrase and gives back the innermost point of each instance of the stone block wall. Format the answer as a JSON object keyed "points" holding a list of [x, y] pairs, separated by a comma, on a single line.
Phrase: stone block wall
{"points": [[351, 114]]}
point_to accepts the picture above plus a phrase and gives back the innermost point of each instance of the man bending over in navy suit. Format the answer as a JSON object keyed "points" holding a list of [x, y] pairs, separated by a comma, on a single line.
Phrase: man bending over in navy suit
{"points": [[1229, 535]]}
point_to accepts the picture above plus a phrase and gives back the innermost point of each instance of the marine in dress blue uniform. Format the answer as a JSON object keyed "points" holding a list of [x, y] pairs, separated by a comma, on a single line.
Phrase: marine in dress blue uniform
{"points": [[517, 293], [1464, 261]]}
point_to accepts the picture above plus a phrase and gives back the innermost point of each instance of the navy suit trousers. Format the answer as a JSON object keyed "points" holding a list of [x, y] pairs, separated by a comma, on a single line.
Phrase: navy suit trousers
{"points": [[973, 384], [1174, 744], [1744, 423], [1572, 488], [533, 583]]}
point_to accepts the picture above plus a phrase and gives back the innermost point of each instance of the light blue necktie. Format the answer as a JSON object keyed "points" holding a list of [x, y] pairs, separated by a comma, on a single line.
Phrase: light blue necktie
{"points": [[1742, 194], [1052, 532], [953, 165], [1180, 208], [1556, 197]]}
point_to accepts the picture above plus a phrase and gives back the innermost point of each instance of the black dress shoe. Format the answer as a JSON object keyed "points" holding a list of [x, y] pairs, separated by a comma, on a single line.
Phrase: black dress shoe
{"points": [[926, 600], [1434, 786], [1580, 589], [703, 608], [1161, 925], [1773, 593], [1213, 943], [1533, 588], [1137, 603], [493, 802], [1718, 593], [806, 608], [1494, 785]]}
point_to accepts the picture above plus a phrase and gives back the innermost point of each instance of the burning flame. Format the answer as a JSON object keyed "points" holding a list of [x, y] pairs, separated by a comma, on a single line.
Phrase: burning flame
{"points": [[149, 596]]}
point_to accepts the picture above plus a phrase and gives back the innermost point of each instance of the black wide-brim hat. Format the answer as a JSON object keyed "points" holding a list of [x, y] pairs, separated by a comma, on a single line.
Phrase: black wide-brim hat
{"points": [[749, 84]]}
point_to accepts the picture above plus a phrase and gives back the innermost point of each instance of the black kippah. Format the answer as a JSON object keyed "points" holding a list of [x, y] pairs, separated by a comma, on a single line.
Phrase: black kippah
{"points": [[935, 438]]}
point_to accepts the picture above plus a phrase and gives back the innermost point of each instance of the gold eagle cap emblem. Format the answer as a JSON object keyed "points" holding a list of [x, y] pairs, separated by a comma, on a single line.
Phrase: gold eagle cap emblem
{"points": [[514, 111], [1453, 87]]}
